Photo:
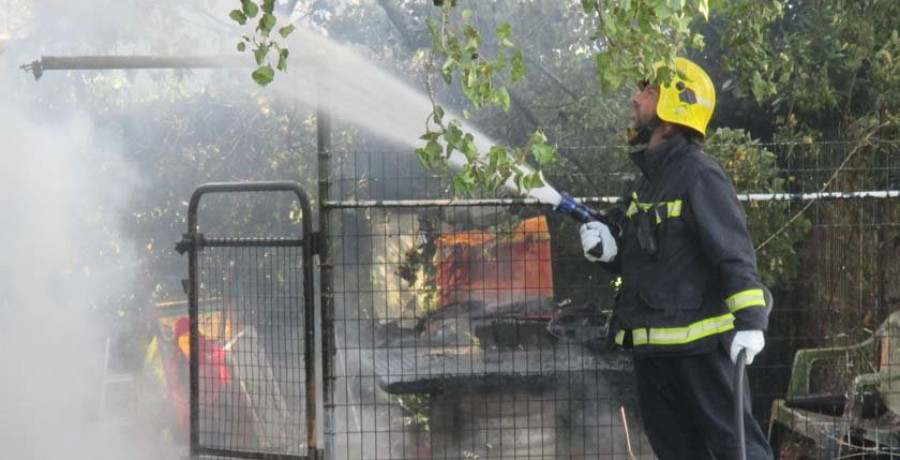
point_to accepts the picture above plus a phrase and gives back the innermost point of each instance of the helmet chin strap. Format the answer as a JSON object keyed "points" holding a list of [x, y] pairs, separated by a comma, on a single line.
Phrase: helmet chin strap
{"points": [[641, 134]]}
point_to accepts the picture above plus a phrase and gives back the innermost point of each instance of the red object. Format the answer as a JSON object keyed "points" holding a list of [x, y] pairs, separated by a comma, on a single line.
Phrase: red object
{"points": [[497, 269], [214, 372], [211, 356]]}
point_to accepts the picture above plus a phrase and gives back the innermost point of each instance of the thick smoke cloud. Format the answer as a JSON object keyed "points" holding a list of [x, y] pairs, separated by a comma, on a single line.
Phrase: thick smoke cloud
{"points": [[61, 187], [64, 188]]}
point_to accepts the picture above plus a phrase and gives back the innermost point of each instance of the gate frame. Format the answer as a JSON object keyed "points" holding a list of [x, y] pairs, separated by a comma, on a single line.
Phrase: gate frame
{"points": [[194, 241]]}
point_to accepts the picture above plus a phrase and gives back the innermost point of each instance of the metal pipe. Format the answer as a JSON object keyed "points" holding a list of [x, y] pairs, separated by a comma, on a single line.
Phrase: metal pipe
{"points": [[450, 203], [326, 273], [38, 67]]}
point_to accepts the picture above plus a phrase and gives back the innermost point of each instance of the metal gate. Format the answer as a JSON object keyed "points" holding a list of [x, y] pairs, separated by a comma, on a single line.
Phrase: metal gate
{"points": [[251, 332]]}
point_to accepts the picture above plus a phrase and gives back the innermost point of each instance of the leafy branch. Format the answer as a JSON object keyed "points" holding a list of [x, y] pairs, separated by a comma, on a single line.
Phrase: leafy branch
{"points": [[483, 81], [262, 42], [632, 36]]}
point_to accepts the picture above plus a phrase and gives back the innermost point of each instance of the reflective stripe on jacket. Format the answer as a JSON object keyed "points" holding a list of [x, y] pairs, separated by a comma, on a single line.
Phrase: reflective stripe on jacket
{"points": [[697, 279]]}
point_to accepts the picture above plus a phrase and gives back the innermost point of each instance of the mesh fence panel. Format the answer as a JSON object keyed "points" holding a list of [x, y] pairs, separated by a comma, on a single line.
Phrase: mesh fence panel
{"points": [[249, 279], [477, 331], [252, 379]]}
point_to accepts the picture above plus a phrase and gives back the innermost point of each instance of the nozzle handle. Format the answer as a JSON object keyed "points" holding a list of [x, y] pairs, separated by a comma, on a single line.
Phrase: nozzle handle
{"points": [[578, 211], [583, 214]]}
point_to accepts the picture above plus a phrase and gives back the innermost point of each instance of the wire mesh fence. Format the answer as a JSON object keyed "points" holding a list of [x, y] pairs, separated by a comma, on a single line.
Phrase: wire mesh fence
{"points": [[251, 350], [476, 329]]}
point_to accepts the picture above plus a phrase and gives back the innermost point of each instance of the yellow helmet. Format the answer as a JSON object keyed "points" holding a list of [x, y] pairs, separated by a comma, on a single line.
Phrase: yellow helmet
{"points": [[689, 100]]}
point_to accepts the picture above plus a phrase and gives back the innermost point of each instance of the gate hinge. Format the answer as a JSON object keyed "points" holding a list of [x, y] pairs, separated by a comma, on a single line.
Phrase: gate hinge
{"points": [[188, 243]]}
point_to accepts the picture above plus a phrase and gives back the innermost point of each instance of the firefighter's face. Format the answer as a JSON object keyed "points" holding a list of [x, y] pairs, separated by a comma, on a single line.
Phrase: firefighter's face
{"points": [[644, 103]]}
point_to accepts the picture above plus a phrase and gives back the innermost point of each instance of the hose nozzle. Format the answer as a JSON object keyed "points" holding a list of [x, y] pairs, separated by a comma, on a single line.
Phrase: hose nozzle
{"points": [[578, 211]]}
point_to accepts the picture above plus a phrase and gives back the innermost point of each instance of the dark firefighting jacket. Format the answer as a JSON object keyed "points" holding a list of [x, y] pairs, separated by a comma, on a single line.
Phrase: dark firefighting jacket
{"points": [[687, 264]]}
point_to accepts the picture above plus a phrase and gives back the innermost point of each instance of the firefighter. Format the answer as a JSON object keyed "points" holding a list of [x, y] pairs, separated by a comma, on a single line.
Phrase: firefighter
{"points": [[690, 297]]}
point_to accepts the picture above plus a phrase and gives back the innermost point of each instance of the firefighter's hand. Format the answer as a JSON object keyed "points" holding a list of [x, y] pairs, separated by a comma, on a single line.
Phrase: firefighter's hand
{"points": [[597, 242], [752, 341]]}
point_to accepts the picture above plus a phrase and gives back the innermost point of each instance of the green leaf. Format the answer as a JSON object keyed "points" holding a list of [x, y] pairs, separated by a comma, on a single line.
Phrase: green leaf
{"points": [[518, 70], [533, 180], [422, 156], [703, 8], [471, 78], [447, 69], [430, 155], [430, 136], [268, 6], [282, 59], [436, 45], [662, 10], [238, 16], [497, 155], [286, 30], [501, 97], [434, 150], [464, 181], [453, 135], [612, 79], [260, 53], [250, 8], [519, 180], [467, 147], [543, 153], [241, 46], [504, 31], [263, 75], [266, 23], [466, 114], [472, 47]]}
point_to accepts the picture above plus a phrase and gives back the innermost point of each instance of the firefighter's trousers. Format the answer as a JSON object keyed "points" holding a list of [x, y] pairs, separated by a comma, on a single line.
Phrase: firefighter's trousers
{"points": [[687, 408]]}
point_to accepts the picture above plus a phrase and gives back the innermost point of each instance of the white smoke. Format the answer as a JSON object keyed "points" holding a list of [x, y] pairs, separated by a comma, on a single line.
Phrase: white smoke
{"points": [[63, 188]]}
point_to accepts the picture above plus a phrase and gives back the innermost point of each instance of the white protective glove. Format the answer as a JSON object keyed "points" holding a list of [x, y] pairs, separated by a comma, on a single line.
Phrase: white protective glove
{"points": [[752, 341], [594, 233]]}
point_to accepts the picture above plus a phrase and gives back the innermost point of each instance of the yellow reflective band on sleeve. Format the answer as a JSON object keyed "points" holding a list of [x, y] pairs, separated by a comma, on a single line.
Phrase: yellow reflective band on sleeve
{"points": [[620, 337], [674, 208], [683, 335], [744, 299]]}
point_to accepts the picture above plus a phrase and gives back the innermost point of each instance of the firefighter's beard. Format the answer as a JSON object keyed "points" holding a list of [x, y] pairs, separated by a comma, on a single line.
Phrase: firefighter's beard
{"points": [[639, 133]]}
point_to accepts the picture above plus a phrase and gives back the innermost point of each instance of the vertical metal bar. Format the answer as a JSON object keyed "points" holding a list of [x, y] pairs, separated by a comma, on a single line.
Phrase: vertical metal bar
{"points": [[323, 147], [193, 318], [309, 330]]}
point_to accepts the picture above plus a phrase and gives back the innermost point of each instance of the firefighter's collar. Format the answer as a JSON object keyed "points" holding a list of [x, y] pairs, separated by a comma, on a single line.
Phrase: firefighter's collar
{"points": [[651, 160]]}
